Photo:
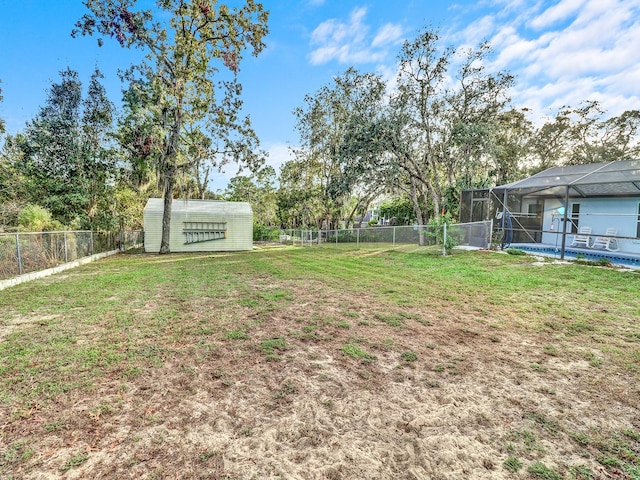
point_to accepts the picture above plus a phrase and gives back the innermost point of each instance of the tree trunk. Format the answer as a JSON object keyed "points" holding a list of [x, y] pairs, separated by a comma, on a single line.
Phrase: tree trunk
{"points": [[169, 163], [415, 199], [166, 214]]}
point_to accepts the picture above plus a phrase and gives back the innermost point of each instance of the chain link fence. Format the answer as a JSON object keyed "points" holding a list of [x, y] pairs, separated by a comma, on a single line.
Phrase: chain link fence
{"points": [[27, 252], [476, 234]]}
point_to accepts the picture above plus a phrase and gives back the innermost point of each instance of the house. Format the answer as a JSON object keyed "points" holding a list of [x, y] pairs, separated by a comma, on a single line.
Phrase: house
{"points": [[199, 226], [550, 207]]}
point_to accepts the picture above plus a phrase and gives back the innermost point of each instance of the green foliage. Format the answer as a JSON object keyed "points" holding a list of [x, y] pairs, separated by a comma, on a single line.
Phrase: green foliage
{"points": [[436, 230], [333, 156], [580, 135], [353, 350], [63, 161], [258, 190], [34, 218], [236, 335], [263, 233], [185, 44], [409, 356], [398, 208], [512, 464], [540, 470], [74, 461], [581, 472], [272, 345]]}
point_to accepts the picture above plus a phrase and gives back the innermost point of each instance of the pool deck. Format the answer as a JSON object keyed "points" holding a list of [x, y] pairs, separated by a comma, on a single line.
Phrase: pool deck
{"points": [[619, 258]]}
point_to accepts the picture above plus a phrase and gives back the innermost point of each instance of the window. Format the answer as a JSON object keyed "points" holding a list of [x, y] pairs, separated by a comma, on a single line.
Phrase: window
{"points": [[575, 217]]}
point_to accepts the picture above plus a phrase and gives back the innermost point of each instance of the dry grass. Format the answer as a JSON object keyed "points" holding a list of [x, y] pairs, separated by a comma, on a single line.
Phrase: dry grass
{"points": [[298, 364]]}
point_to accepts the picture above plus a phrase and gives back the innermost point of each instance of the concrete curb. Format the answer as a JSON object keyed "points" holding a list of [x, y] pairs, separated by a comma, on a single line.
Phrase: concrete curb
{"points": [[27, 277]]}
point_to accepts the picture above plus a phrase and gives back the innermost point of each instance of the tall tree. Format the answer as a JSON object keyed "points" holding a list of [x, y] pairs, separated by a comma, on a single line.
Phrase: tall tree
{"points": [[98, 159], [512, 138], [183, 41], [138, 137], [442, 118], [299, 198], [66, 161], [12, 183], [583, 134], [265, 206], [52, 160], [324, 123]]}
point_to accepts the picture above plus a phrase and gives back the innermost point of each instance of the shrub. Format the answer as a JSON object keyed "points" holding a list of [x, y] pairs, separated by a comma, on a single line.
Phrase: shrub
{"points": [[436, 230], [34, 218]]}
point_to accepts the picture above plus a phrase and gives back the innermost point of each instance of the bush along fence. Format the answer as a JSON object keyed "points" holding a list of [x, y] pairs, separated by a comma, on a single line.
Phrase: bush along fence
{"points": [[27, 252], [476, 234]]}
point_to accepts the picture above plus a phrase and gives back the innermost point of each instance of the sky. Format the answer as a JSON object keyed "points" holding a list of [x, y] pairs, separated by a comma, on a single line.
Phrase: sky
{"points": [[561, 52]]}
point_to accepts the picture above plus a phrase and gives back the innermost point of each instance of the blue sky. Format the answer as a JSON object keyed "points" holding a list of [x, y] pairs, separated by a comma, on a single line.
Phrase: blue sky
{"points": [[562, 52]]}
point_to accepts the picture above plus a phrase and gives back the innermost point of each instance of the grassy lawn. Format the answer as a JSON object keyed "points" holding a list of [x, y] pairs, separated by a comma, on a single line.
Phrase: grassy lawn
{"points": [[322, 363]]}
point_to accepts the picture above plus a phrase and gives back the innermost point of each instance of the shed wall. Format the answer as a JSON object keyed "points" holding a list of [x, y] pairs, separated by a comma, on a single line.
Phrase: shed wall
{"points": [[237, 218]]}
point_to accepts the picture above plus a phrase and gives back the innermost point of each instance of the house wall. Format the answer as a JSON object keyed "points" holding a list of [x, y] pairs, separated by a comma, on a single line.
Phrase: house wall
{"points": [[238, 218], [599, 214]]}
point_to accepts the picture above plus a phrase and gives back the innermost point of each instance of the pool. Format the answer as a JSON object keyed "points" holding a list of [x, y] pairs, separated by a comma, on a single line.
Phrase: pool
{"points": [[619, 258]]}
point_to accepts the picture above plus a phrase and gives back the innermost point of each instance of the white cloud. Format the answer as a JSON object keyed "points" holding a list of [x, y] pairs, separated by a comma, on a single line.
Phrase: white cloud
{"points": [[566, 53], [349, 42], [389, 34], [559, 12], [279, 154]]}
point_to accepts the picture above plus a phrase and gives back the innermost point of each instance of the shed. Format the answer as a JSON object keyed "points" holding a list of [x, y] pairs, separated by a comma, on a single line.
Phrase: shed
{"points": [[200, 226]]}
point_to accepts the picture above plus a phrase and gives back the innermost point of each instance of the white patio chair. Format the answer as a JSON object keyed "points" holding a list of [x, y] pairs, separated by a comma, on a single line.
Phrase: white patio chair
{"points": [[582, 238], [607, 241]]}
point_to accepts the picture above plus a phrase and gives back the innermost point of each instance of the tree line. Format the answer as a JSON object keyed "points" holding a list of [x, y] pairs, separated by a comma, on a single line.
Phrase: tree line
{"points": [[444, 123]]}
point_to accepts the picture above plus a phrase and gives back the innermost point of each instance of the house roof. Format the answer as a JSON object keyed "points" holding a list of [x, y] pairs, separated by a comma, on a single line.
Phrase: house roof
{"points": [[195, 206], [618, 178]]}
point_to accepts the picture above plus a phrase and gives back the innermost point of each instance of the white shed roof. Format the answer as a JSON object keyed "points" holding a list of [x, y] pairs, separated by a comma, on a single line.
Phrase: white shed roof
{"points": [[156, 205]]}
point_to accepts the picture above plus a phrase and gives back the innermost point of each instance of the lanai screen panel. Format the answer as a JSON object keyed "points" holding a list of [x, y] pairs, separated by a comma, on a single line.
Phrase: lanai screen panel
{"points": [[596, 179]]}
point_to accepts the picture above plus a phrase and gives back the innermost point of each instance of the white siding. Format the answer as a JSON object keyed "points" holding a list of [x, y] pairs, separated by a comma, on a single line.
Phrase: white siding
{"points": [[599, 214], [237, 216]]}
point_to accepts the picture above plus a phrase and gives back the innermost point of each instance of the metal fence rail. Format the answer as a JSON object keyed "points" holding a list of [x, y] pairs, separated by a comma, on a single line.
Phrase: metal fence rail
{"points": [[27, 252], [476, 234]]}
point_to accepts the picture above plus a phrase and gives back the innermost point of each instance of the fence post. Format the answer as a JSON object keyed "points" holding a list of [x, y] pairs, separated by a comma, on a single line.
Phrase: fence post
{"points": [[336, 236], [444, 240], [91, 242], [394, 236], [357, 237], [66, 254], [18, 253]]}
